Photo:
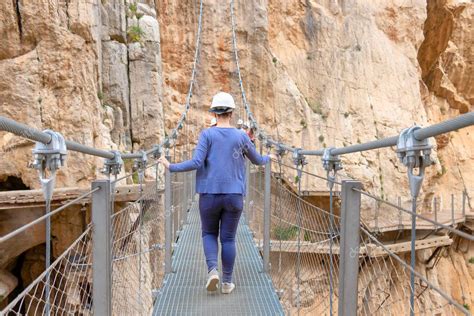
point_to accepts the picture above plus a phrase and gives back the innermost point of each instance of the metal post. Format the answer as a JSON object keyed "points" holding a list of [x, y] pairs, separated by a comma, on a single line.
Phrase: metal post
{"points": [[266, 217], [168, 222], [193, 181], [101, 248], [247, 191], [349, 251], [185, 188]]}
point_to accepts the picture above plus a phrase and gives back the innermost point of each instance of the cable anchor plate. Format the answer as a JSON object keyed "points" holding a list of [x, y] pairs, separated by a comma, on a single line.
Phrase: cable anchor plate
{"points": [[113, 165], [414, 153], [139, 165], [49, 158]]}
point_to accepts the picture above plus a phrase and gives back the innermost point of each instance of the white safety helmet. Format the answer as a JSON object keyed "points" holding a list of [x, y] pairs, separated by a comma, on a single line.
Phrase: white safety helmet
{"points": [[222, 103], [240, 122], [213, 121]]}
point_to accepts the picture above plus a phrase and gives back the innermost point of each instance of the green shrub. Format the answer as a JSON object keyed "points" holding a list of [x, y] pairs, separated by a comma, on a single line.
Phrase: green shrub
{"points": [[274, 60], [303, 123], [315, 106], [471, 260], [133, 8], [466, 306], [285, 233], [135, 33], [321, 138]]}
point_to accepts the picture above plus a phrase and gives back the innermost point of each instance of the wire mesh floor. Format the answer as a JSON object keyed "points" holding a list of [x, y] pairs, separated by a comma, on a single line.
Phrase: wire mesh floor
{"points": [[184, 293]]}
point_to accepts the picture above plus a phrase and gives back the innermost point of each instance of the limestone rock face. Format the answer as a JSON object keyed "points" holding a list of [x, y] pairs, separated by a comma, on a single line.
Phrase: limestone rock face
{"points": [[67, 67], [116, 92], [329, 74], [114, 74]]}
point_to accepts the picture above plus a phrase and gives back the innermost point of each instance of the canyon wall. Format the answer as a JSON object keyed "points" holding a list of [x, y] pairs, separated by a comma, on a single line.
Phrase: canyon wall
{"points": [[317, 74], [114, 74]]}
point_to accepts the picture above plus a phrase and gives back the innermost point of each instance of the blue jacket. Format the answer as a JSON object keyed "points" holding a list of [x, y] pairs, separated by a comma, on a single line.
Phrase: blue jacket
{"points": [[219, 158]]}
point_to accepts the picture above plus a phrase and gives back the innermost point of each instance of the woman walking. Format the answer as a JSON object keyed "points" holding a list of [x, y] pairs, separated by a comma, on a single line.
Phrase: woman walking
{"points": [[219, 158]]}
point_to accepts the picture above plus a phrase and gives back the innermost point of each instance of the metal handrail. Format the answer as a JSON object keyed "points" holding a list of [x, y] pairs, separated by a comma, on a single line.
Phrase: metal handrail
{"points": [[450, 125]]}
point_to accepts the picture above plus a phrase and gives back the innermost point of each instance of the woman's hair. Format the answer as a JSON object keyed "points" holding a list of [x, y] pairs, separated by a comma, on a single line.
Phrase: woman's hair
{"points": [[224, 115]]}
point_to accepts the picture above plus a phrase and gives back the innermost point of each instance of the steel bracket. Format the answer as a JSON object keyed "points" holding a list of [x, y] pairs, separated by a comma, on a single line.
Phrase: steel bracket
{"points": [[280, 150], [157, 151], [268, 145], [139, 165], [298, 158], [414, 153], [332, 164], [49, 157], [114, 165], [166, 142]]}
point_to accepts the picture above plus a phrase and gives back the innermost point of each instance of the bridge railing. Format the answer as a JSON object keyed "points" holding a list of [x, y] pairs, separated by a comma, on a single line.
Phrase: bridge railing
{"points": [[117, 265], [137, 252], [63, 288], [346, 269]]}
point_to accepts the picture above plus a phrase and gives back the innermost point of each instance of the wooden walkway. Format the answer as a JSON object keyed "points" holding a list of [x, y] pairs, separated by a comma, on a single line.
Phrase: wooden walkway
{"points": [[370, 250], [383, 224], [31, 198]]}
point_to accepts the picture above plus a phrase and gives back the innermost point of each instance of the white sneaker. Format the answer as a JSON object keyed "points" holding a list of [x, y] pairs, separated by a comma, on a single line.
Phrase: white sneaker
{"points": [[227, 288], [212, 280]]}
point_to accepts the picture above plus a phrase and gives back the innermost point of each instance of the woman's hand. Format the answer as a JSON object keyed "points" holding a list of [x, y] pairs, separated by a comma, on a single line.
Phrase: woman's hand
{"points": [[164, 162]]}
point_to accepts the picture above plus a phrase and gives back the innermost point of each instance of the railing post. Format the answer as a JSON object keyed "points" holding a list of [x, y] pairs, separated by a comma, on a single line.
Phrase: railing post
{"points": [[185, 187], [266, 217], [168, 222], [247, 191], [101, 248], [349, 250]]}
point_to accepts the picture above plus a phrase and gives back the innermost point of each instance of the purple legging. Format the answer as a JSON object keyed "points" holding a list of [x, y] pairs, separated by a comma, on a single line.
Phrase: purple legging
{"points": [[220, 214]]}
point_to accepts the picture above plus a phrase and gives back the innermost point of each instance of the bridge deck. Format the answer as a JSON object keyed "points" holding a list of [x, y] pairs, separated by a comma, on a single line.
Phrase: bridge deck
{"points": [[183, 292]]}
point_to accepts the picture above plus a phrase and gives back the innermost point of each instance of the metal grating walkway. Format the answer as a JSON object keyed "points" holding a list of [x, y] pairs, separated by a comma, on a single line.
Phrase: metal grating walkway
{"points": [[183, 292]]}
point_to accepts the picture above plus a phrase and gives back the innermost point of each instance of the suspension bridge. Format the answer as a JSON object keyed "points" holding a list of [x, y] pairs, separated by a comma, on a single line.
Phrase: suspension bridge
{"points": [[140, 253]]}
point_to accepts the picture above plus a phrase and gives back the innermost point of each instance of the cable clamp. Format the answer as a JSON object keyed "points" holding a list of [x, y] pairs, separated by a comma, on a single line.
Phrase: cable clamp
{"points": [[414, 153], [48, 158], [268, 145], [280, 150], [166, 142], [157, 151], [113, 165], [332, 164], [298, 158], [139, 165]]}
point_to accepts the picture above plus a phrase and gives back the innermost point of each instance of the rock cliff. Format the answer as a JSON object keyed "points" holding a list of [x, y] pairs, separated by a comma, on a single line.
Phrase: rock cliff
{"points": [[114, 74]]}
